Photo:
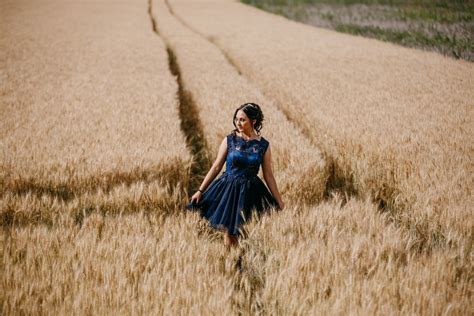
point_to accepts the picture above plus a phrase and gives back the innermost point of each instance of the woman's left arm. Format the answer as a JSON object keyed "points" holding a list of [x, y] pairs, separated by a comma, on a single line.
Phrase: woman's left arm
{"points": [[268, 176]]}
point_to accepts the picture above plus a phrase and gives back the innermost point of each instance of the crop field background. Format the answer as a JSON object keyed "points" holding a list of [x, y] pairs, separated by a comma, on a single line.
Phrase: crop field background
{"points": [[112, 112]]}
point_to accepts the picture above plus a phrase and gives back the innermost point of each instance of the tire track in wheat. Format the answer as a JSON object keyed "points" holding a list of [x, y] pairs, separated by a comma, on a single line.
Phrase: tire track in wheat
{"points": [[188, 113]]}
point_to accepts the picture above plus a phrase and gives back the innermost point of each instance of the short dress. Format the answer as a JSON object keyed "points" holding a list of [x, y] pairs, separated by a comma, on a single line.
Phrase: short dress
{"points": [[230, 199]]}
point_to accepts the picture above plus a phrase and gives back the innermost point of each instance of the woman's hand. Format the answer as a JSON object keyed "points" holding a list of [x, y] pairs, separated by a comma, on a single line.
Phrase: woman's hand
{"points": [[196, 197], [281, 204]]}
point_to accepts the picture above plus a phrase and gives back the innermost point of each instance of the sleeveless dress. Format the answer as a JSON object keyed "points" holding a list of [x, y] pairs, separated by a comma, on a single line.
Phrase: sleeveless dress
{"points": [[230, 199]]}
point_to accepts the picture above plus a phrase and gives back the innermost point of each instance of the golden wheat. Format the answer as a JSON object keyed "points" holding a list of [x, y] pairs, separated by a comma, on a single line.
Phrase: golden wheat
{"points": [[139, 263], [348, 258], [80, 112]]}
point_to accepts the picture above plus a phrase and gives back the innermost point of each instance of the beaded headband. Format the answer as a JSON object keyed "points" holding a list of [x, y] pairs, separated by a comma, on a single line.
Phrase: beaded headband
{"points": [[253, 106]]}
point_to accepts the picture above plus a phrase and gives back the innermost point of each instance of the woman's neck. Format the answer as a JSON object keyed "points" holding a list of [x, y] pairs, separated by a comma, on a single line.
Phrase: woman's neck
{"points": [[247, 135]]}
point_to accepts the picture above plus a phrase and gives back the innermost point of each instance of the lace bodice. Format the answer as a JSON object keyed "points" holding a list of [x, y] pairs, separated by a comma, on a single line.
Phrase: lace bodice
{"points": [[244, 157]]}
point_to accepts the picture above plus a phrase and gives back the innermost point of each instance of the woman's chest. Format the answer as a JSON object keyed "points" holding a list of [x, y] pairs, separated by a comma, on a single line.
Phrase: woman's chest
{"points": [[245, 155]]}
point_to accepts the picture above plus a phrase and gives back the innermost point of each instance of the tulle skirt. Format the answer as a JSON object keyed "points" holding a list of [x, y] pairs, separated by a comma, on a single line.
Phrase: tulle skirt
{"points": [[230, 200]]}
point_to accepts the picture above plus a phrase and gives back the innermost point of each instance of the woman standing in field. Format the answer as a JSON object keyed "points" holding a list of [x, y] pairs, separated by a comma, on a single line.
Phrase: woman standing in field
{"points": [[229, 200]]}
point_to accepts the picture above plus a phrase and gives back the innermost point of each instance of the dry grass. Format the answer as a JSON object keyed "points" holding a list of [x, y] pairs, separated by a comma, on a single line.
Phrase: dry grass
{"points": [[94, 170], [30, 208], [332, 258], [79, 112], [397, 122], [338, 258], [141, 263]]}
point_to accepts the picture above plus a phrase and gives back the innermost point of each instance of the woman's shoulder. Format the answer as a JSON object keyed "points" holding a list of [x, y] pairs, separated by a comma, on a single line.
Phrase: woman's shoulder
{"points": [[229, 137], [264, 142]]}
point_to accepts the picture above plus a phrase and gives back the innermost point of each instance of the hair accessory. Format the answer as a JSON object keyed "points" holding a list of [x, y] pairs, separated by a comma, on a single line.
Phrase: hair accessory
{"points": [[251, 105]]}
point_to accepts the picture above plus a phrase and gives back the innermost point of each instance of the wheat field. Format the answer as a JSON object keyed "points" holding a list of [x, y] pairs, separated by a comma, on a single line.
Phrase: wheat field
{"points": [[112, 111]]}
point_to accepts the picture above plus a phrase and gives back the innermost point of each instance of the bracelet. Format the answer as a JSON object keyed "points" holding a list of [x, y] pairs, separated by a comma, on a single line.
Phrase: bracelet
{"points": [[200, 191]]}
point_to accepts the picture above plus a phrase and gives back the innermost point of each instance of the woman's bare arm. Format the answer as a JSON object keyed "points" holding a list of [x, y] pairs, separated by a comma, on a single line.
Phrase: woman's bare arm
{"points": [[268, 176], [216, 166]]}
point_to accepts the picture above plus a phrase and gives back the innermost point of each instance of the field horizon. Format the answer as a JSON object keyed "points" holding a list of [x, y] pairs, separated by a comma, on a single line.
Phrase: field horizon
{"points": [[446, 27]]}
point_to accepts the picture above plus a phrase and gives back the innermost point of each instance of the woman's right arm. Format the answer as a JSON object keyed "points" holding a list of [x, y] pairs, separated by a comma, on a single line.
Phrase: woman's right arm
{"points": [[214, 171]]}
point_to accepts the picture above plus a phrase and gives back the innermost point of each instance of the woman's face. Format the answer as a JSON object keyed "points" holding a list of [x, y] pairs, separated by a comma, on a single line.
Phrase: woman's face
{"points": [[243, 122]]}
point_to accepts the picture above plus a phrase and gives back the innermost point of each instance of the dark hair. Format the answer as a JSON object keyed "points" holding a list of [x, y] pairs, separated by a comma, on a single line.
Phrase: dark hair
{"points": [[253, 112]]}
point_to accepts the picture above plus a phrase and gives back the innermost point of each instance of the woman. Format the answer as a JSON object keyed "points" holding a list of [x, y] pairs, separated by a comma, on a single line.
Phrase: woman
{"points": [[228, 201]]}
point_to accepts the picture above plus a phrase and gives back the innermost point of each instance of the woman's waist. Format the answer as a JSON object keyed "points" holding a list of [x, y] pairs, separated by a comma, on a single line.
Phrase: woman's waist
{"points": [[247, 174]]}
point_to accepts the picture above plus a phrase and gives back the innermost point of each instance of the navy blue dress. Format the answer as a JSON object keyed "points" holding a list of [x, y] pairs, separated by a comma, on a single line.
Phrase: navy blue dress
{"points": [[230, 199]]}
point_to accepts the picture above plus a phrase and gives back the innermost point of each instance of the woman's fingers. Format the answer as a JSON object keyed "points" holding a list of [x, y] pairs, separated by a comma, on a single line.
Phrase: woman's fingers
{"points": [[195, 198]]}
